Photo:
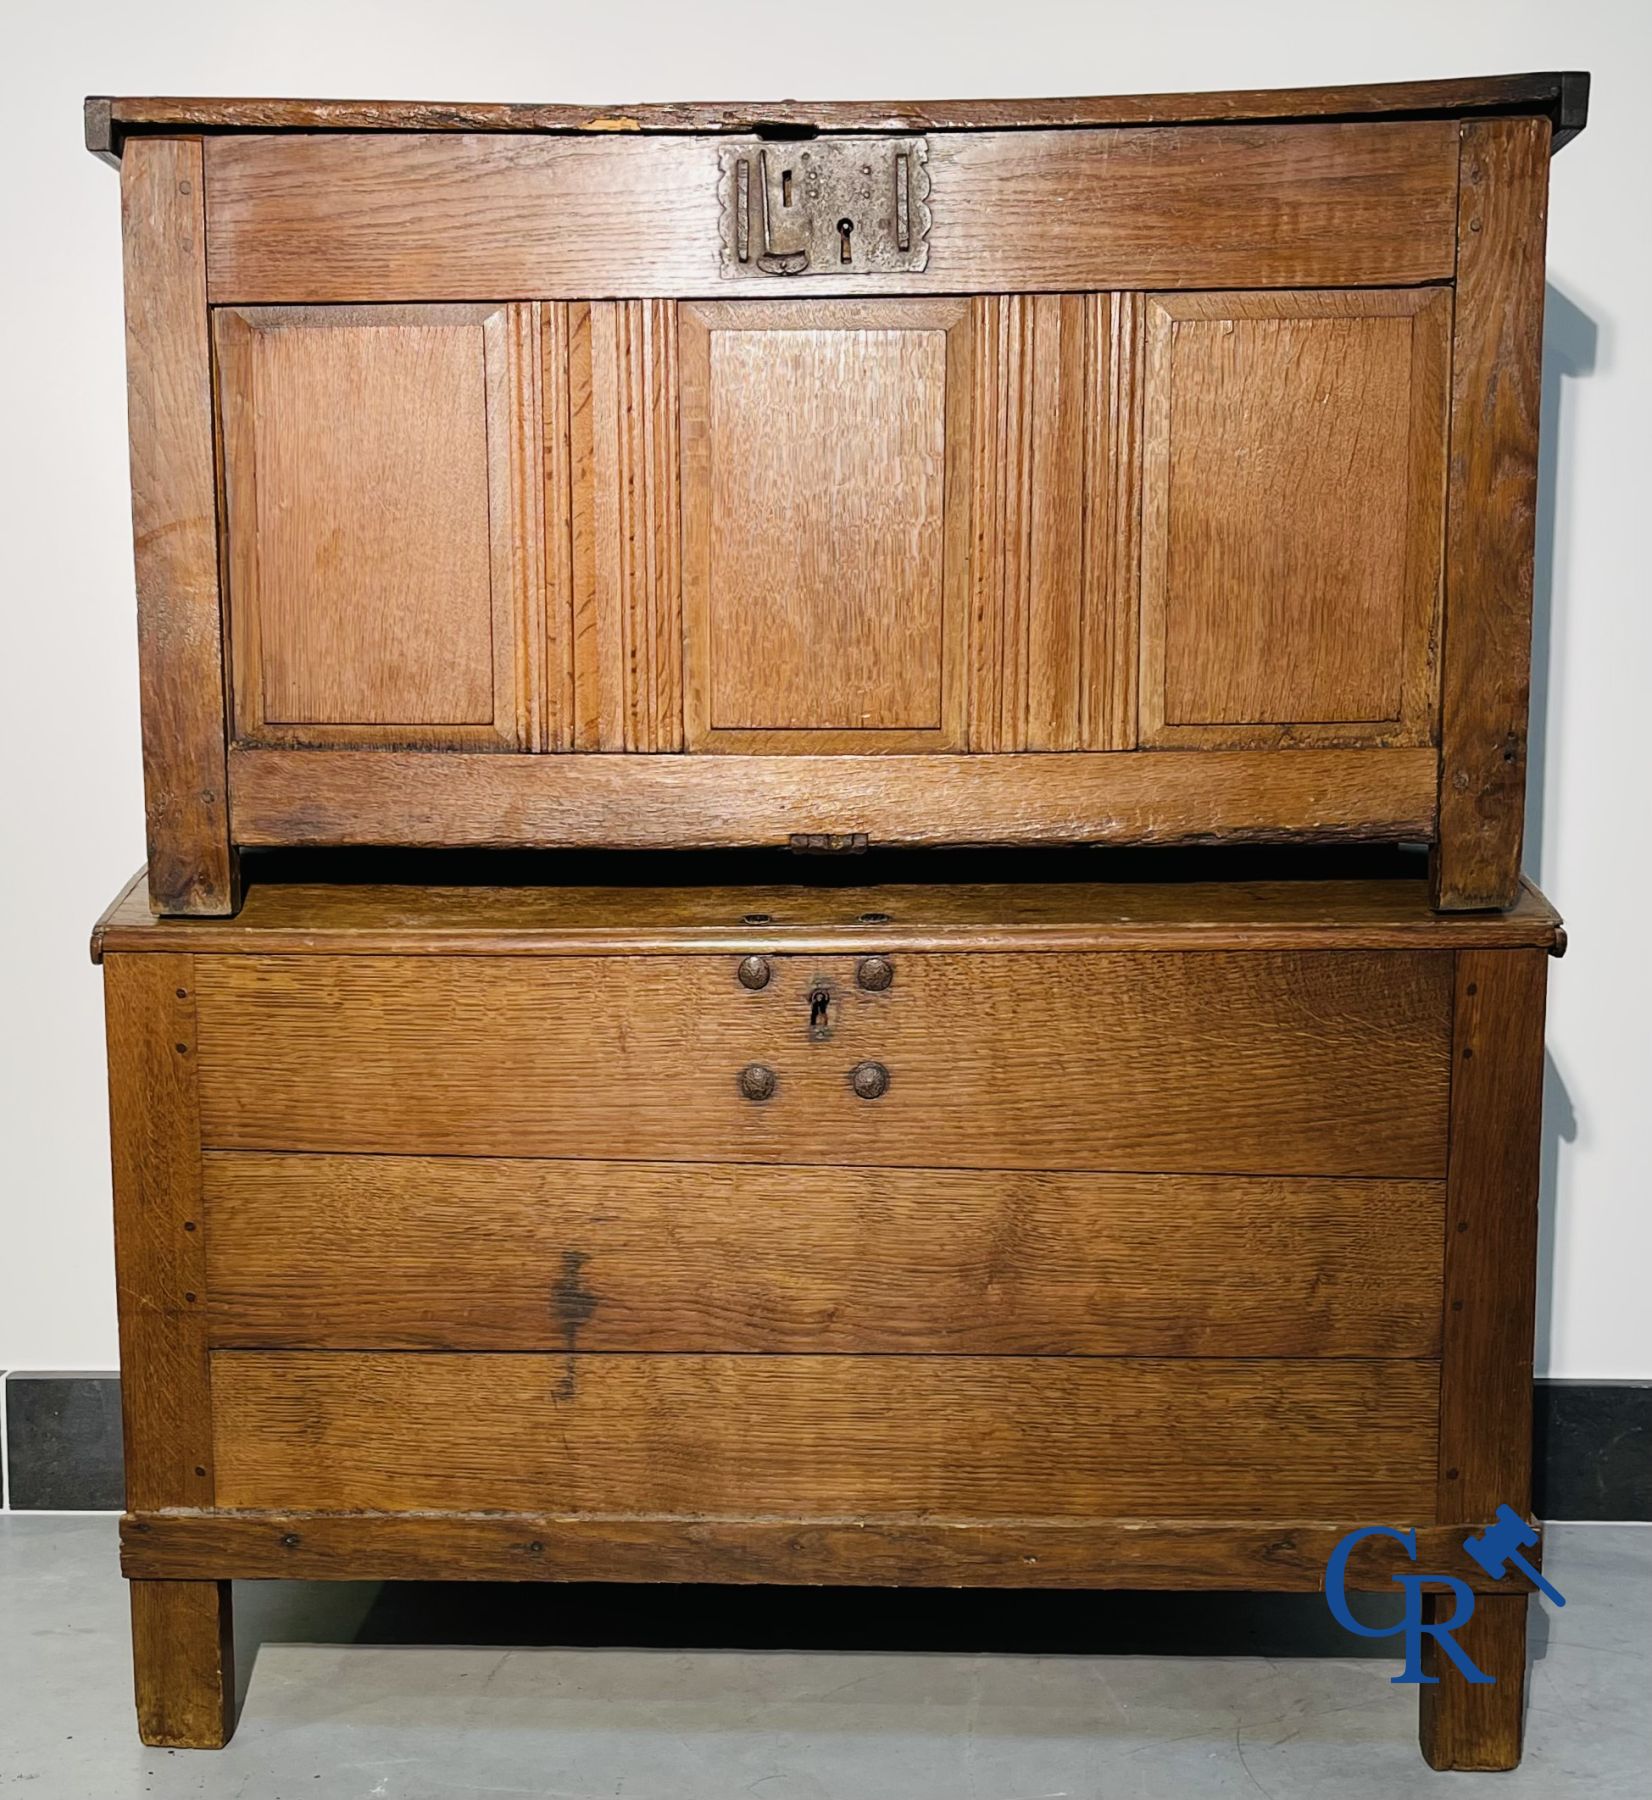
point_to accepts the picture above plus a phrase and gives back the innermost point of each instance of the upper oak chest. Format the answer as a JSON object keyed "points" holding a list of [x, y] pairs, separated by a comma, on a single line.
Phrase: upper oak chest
{"points": [[1130, 470]]}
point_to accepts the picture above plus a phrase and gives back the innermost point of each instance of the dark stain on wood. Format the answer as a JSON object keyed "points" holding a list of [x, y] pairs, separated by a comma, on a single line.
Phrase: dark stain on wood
{"points": [[572, 1305]]}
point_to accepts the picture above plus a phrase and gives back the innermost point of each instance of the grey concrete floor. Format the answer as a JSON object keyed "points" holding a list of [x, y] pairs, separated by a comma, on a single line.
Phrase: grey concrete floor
{"points": [[359, 1692]]}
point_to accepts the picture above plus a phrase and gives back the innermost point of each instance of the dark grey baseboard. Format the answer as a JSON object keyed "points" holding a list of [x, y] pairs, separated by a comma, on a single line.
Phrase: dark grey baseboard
{"points": [[1593, 1446], [1592, 1443], [63, 1442]]}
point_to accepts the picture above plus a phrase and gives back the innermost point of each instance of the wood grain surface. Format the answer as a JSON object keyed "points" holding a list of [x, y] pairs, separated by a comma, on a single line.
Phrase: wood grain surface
{"points": [[1232, 1063], [922, 1436], [183, 1662], [1291, 517], [614, 498], [1561, 97], [1271, 1556], [1471, 1725], [826, 452], [383, 535], [577, 915], [160, 1260], [391, 1252], [1112, 525], [1035, 615], [1496, 399], [1489, 1320], [1491, 1233], [707, 802], [412, 216], [192, 866]]}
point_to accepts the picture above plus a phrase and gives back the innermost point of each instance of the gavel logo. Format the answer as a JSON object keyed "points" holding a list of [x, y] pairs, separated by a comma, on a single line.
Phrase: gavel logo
{"points": [[1499, 1546]]}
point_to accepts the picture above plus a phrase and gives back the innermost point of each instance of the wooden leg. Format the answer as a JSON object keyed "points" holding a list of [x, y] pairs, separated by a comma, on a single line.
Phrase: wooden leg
{"points": [[183, 1663], [1464, 1725]]}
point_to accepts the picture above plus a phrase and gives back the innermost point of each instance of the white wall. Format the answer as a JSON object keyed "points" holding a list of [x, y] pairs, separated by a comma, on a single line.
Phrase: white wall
{"points": [[69, 776]]}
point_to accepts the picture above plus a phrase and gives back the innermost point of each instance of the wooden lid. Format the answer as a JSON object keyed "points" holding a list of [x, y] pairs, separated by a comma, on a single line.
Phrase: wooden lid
{"points": [[1562, 98], [686, 905]]}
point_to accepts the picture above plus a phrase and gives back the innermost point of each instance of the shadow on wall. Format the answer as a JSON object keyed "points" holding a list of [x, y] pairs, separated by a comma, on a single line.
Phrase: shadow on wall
{"points": [[1571, 341], [1559, 1127], [1571, 347]]}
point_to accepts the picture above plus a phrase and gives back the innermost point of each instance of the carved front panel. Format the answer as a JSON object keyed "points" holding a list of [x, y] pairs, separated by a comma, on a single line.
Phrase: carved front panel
{"points": [[837, 525], [1292, 511], [825, 458], [383, 542]]}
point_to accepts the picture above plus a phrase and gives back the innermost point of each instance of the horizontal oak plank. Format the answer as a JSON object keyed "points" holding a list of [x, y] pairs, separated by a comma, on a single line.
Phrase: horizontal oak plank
{"points": [[623, 802], [919, 1436], [1264, 1063], [1560, 96], [392, 1252], [1276, 1556], [572, 916], [431, 216]]}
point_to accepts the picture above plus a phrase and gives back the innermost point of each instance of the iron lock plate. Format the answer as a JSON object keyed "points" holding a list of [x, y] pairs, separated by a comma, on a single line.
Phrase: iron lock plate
{"points": [[827, 206]]}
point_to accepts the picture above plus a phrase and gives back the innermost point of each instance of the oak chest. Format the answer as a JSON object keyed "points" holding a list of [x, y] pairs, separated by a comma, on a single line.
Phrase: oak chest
{"points": [[1143, 470], [1139, 1233]]}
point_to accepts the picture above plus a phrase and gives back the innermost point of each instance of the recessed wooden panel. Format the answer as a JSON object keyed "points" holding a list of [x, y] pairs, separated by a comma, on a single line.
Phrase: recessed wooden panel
{"points": [[1292, 514], [1268, 1064], [971, 1437], [825, 520], [383, 524], [392, 1252]]}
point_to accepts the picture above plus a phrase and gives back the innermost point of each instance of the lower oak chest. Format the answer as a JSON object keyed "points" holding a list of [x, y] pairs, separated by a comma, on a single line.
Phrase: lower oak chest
{"points": [[1078, 1234]]}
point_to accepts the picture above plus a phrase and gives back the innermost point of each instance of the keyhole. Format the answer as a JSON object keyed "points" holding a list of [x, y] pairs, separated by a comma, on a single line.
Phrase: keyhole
{"points": [[819, 1001], [845, 231], [785, 187]]}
